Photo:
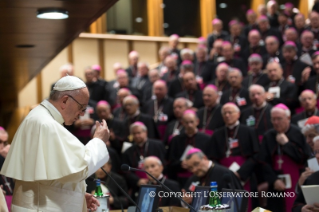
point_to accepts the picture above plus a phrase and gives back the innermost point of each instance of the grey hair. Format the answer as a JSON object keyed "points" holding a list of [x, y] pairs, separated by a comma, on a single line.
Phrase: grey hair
{"points": [[231, 70], [314, 96], [164, 48], [68, 67], [56, 95], [231, 104], [159, 162], [186, 51], [154, 71], [309, 127], [135, 100], [315, 139], [200, 154], [143, 63], [184, 100], [256, 86], [132, 126], [287, 112]]}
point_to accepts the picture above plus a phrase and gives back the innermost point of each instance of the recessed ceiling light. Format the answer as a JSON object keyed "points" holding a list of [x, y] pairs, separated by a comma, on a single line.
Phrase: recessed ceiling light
{"points": [[25, 46], [52, 14]]}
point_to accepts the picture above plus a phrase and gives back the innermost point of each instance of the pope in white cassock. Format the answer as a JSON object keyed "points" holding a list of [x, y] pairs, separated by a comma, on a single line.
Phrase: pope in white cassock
{"points": [[49, 164]]}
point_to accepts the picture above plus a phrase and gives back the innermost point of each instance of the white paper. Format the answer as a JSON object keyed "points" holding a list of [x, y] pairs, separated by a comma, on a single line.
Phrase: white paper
{"points": [[311, 193], [125, 146], [286, 179], [189, 147], [220, 59], [275, 91], [306, 59], [234, 167], [301, 123], [313, 164], [86, 116]]}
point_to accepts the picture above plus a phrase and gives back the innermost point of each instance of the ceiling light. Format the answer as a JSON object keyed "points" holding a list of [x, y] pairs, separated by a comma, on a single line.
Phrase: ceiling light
{"points": [[52, 14], [25, 46]]}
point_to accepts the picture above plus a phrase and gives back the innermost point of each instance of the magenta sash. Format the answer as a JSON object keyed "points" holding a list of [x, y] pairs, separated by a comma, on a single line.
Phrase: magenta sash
{"points": [[299, 110], [207, 131], [161, 130], [83, 133], [8, 200], [141, 175], [288, 167], [240, 160], [170, 138], [260, 138], [185, 174], [202, 86]]}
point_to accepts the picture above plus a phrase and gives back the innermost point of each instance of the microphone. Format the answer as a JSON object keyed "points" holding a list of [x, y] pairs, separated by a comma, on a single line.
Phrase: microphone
{"points": [[126, 167], [227, 178], [128, 196]]}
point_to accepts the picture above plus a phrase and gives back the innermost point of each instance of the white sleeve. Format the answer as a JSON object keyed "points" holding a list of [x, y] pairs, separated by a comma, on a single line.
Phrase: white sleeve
{"points": [[96, 155]]}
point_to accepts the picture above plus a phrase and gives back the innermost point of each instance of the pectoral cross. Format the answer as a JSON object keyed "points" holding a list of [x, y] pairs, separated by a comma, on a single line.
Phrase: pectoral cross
{"points": [[280, 162]]}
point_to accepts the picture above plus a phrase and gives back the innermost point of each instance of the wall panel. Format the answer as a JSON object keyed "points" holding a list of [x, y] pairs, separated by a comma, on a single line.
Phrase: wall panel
{"points": [[28, 95], [147, 51]]}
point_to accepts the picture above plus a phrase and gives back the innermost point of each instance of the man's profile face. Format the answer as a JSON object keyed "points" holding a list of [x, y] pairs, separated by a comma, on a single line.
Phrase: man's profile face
{"points": [[196, 166]]}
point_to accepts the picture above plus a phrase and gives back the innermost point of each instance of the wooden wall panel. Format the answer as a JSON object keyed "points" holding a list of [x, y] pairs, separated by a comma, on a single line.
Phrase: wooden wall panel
{"points": [[147, 50], [51, 73], [85, 53], [114, 51], [28, 95]]}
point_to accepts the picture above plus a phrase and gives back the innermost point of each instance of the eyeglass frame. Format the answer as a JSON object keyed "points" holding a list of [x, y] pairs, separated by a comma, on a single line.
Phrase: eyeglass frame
{"points": [[81, 105]]}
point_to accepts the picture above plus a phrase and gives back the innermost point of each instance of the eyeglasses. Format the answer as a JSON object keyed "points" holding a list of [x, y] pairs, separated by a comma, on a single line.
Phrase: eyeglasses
{"points": [[81, 105]]}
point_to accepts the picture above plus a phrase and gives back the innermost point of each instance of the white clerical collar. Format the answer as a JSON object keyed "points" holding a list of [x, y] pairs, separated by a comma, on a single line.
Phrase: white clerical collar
{"points": [[210, 164], [53, 111], [233, 126], [135, 114], [262, 106], [160, 177]]}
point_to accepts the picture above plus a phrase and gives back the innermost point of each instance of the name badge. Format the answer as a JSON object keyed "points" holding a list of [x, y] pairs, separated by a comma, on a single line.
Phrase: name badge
{"points": [[199, 79], [291, 79], [302, 122], [192, 186], [275, 91], [141, 164], [286, 179], [233, 143], [153, 97], [250, 121], [241, 101], [176, 132], [162, 117], [237, 47]]}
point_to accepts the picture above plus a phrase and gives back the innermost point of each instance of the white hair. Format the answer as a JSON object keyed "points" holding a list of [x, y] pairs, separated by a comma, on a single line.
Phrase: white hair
{"points": [[186, 51], [287, 112], [231, 70], [143, 63], [164, 49], [68, 67], [128, 98], [314, 95], [255, 86], [315, 139], [132, 126], [158, 161], [133, 54], [117, 65], [230, 104]]}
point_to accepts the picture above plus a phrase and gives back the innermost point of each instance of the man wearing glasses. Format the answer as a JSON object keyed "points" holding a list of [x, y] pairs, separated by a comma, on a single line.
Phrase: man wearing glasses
{"points": [[48, 163]]}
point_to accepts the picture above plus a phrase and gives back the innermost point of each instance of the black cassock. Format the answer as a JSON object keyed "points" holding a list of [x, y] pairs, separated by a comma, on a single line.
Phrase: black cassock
{"points": [[173, 128], [134, 156], [195, 96], [258, 119], [175, 87], [168, 77], [312, 84], [97, 91], [131, 71], [288, 94], [259, 79], [275, 57], [176, 149], [113, 95], [300, 200], [238, 96], [300, 118], [212, 37], [168, 201], [148, 121], [210, 119], [273, 32], [215, 173], [221, 86], [162, 112], [117, 127], [119, 113], [285, 159], [293, 69], [240, 145], [261, 50]]}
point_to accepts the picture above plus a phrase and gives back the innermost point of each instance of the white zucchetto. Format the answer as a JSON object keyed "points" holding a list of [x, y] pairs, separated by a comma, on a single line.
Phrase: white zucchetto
{"points": [[69, 83]]}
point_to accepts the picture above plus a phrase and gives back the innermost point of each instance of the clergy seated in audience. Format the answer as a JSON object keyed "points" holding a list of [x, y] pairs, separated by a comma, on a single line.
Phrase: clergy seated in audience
{"points": [[236, 93], [314, 26], [131, 107], [273, 51], [154, 166], [147, 93], [179, 144], [221, 81], [251, 18], [291, 34], [255, 74], [187, 55], [97, 75], [257, 115], [290, 12], [81, 128], [160, 107], [132, 70], [162, 53], [236, 144], [141, 81], [6, 183], [175, 127], [134, 156], [283, 23], [295, 71], [279, 90], [215, 54], [218, 33], [283, 152], [300, 23], [199, 64], [65, 70], [254, 46], [117, 199], [122, 82], [312, 82], [300, 204], [308, 48], [173, 46], [210, 117], [113, 83], [119, 112], [176, 85], [308, 101], [265, 29], [272, 13], [172, 70], [192, 91], [235, 38], [205, 171], [115, 126]]}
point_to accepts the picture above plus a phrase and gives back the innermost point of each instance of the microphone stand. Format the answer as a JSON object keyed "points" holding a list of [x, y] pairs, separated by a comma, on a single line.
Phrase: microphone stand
{"points": [[127, 196]]}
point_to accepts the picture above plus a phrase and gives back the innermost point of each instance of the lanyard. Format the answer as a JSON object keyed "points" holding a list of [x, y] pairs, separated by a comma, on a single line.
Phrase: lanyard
{"points": [[218, 86], [157, 110], [260, 116], [231, 92], [145, 151], [251, 79], [207, 120], [279, 83], [228, 140]]}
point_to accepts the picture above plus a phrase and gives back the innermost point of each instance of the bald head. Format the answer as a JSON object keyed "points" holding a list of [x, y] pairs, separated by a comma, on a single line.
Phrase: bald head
{"points": [[117, 66], [308, 100], [272, 44], [189, 81], [173, 41], [274, 71], [179, 106], [221, 72], [210, 96], [235, 77], [153, 75], [163, 52], [314, 19], [300, 21], [160, 89], [257, 95], [122, 93], [254, 38], [231, 113], [170, 63], [133, 58], [142, 69], [307, 39], [227, 51], [190, 121], [122, 78], [291, 34], [103, 111]]}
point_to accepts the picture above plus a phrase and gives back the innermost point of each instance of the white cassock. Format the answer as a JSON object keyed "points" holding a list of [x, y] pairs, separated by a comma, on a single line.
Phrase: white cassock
{"points": [[50, 165]]}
